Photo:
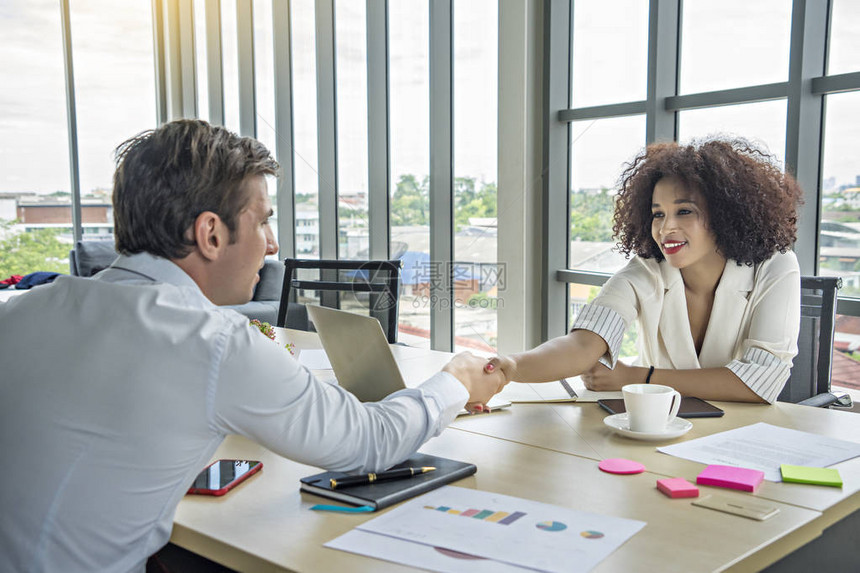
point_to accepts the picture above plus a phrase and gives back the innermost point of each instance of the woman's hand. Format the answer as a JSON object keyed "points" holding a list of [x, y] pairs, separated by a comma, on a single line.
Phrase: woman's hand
{"points": [[505, 365], [602, 379]]}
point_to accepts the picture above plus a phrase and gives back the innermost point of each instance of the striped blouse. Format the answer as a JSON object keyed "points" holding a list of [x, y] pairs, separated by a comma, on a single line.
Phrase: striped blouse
{"points": [[752, 330]]}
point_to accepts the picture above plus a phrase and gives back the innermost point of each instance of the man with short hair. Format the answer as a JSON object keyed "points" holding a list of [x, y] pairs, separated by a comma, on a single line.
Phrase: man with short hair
{"points": [[117, 390]]}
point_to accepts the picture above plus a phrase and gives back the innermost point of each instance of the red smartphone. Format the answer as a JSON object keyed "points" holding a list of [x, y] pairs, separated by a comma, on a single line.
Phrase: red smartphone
{"points": [[223, 475]]}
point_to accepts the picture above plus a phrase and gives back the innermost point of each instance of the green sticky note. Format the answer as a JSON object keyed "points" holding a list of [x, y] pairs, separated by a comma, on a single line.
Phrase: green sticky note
{"points": [[817, 476]]}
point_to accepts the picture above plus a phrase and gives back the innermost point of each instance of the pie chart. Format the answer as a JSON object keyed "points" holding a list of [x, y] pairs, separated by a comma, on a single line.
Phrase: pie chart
{"points": [[551, 526], [590, 534]]}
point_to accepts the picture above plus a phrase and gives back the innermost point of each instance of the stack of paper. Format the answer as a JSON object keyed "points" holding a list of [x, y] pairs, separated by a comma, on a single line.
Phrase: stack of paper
{"points": [[765, 447], [459, 529]]}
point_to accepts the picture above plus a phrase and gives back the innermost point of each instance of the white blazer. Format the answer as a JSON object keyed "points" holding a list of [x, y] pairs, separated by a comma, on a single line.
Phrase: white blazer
{"points": [[752, 330]]}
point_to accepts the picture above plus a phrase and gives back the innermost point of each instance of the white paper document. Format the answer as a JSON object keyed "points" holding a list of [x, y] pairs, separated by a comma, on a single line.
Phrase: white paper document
{"points": [[764, 447], [505, 529], [566, 390], [418, 555], [314, 359]]}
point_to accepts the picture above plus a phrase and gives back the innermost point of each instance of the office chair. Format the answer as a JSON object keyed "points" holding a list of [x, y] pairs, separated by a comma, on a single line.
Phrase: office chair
{"points": [[89, 257], [809, 383], [380, 279]]}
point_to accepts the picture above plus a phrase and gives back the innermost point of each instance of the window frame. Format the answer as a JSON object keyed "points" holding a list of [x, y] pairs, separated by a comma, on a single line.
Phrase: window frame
{"points": [[804, 91]]}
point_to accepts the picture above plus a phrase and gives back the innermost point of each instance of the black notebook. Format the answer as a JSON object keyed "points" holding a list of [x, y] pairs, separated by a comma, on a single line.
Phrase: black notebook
{"points": [[690, 408], [384, 493]]}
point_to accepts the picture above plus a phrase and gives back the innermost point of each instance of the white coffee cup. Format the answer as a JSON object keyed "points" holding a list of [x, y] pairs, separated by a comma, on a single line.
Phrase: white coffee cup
{"points": [[650, 407]]}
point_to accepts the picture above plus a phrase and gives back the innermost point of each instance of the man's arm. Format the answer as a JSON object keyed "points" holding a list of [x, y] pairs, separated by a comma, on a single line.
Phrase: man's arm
{"points": [[267, 396]]}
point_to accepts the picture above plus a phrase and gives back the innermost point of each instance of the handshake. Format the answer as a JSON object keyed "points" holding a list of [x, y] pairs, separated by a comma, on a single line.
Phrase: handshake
{"points": [[482, 378]]}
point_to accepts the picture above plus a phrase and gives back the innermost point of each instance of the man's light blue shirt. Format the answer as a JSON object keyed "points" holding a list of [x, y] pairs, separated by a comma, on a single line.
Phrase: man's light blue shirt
{"points": [[116, 391]]}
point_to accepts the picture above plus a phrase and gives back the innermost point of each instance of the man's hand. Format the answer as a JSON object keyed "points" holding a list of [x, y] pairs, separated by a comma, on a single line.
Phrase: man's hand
{"points": [[602, 379], [481, 385]]}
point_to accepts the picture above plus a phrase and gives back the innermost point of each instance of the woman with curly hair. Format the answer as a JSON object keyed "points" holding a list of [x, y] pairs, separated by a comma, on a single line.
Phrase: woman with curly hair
{"points": [[713, 284]]}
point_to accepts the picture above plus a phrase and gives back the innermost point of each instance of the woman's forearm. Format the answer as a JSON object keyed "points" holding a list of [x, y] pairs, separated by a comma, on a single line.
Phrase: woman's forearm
{"points": [[568, 355], [706, 383]]}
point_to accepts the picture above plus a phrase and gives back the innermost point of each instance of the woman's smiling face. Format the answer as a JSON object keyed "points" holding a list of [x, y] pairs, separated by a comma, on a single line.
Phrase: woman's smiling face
{"points": [[679, 225]]}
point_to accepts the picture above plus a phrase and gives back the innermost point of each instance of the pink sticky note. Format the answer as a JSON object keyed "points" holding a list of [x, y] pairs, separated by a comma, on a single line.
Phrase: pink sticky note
{"points": [[677, 487], [743, 479], [621, 466]]}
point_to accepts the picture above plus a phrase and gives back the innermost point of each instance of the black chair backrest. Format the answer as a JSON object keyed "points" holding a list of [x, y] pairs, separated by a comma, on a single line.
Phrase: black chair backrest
{"points": [[380, 279], [810, 374], [89, 257]]}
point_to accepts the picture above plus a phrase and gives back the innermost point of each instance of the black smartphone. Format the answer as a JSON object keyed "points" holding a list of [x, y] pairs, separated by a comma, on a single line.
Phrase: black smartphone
{"points": [[221, 476], [690, 408]]}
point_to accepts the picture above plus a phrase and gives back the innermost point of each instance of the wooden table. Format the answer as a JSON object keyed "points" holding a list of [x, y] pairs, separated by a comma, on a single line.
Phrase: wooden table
{"points": [[578, 429], [547, 453]]}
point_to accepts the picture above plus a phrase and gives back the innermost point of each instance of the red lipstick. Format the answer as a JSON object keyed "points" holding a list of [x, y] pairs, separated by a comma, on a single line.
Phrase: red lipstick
{"points": [[673, 247]]}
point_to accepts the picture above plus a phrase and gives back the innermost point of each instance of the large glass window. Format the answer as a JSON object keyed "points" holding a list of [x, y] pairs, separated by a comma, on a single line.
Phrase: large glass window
{"points": [[200, 59], [409, 143], [35, 198], [477, 275], [264, 74], [115, 93], [844, 53], [610, 52], [600, 150], [763, 123], [264, 93], [230, 65], [839, 250], [579, 295], [351, 90], [305, 154], [734, 43]]}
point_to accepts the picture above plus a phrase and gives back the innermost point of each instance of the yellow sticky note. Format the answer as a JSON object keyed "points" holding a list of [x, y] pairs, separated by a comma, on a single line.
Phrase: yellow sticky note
{"points": [[817, 476]]}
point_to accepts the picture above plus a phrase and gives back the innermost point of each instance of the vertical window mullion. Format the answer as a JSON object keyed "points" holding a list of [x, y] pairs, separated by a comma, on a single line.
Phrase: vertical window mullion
{"points": [[72, 121], [326, 128], [245, 47], [159, 51], [282, 40], [803, 136], [663, 50], [214, 62], [558, 26], [441, 175], [378, 150]]}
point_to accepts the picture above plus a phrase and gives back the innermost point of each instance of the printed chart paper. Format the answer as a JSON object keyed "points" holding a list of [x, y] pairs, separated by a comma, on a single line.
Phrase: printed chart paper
{"points": [[418, 555], [507, 529], [765, 447]]}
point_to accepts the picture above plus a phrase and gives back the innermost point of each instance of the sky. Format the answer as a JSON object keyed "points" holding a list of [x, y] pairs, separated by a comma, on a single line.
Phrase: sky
{"points": [[114, 80], [726, 44]]}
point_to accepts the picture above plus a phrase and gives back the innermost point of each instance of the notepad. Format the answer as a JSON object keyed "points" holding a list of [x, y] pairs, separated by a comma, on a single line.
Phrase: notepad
{"points": [[677, 488], [817, 476], [732, 477], [384, 493]]}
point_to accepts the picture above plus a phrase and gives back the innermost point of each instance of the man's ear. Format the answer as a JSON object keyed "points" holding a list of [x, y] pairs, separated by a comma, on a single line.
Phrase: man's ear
{"points": [[210, 234]]}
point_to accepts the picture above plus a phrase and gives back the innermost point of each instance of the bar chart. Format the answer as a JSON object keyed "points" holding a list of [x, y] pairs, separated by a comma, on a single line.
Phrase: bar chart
{"points": [[493, 516]]}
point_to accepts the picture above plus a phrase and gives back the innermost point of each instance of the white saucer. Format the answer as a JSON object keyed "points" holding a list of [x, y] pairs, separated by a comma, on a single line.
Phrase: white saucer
{"points": [[619, 423]]}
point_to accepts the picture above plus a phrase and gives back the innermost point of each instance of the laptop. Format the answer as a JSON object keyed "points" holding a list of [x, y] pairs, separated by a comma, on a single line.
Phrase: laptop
{"points": [[360, 356]]}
